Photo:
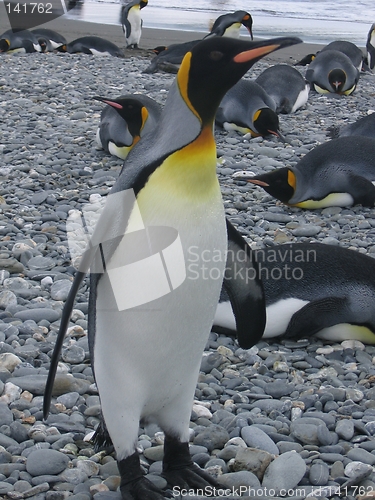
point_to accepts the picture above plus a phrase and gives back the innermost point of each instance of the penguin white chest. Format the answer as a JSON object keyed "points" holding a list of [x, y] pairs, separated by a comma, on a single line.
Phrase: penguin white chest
{"points": [[135, 21]]}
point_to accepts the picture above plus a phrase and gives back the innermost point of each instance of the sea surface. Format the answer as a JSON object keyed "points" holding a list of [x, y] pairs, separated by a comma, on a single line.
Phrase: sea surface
{"points": [[315, 21]]}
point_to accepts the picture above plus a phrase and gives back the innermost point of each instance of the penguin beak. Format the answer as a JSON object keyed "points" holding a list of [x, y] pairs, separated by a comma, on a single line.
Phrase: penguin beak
{"points": [[256, 53], [257, 182], [249, 177], [250, 32], [278, 135], [114, 104]]}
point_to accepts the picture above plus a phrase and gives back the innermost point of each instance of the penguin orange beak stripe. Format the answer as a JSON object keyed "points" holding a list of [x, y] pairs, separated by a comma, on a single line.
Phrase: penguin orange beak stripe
{"points": [[248, 55], [258, 183]]}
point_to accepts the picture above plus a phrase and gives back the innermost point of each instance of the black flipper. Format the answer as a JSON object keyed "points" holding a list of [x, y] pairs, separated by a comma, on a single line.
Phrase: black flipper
{"points": [[362, 190], [317, 315], [245, 290], [67, 311]]}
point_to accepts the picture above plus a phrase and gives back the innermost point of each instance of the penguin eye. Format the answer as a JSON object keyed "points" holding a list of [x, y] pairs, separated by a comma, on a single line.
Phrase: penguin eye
{"points": [[216, 55]]}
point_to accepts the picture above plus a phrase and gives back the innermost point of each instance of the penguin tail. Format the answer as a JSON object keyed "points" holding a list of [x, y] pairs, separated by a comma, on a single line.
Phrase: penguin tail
{"points": [[333, 132]]}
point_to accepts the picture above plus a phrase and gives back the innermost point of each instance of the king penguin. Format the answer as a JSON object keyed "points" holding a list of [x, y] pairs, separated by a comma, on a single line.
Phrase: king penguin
{"points": [[312, 289], [247, 108], [364, 126], [92, 45], [370, 47], [350, 49], [19, 41], [124, 120], [338, 173], [131, 22], [332, 71], [286, 86], [49, 40], [145, 303], [230, 24]]}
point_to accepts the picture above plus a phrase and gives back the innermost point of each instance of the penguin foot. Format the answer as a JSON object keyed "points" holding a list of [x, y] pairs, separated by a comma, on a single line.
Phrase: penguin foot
{"points": [[134, 486], [180, 471]]}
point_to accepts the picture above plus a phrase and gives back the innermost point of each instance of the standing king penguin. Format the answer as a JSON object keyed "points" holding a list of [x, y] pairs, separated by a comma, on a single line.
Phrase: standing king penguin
{"points": [[131, 22], [173, 184]]}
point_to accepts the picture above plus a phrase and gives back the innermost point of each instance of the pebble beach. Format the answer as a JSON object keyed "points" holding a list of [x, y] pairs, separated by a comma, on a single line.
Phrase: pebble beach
{"points": [[285, 419]]}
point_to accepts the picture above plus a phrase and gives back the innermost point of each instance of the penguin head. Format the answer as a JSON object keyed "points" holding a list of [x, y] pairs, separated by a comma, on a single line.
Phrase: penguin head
{"points": [[266, 122], [305, 60], [131, 110], [214, 65], [143, 3], [280, 183], [4, 45], [337, 79], [247, 21], [160, 48], [43, 44]]}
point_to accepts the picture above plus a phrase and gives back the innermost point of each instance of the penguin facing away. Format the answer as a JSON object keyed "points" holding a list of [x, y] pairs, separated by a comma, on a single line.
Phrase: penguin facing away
{"points": [[338, 173], [312, 289], [92, 45], [124, 120], [286, 86], [174, 192], [370, 47], [364, 126], [49, 40], [332, 71], [131, 22], [247, 108], [19, 41]]}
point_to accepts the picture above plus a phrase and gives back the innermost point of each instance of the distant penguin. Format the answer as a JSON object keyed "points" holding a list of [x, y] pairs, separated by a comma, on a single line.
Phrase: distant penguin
{"points": [[230, 24], [19, 41], [49, 40], [338, 173], [286, 86], [147, 309], [247, 108], [332, 71], [92, 45], [311, 289], [124, 120], [170, 58], [131, 22], [365, 126], [370, 47]]}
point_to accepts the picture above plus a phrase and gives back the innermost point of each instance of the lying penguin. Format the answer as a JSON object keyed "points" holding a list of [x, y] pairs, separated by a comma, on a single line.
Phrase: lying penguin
{"points": [[286, 86], [312, 289], [350, 49], [364, 126], [247, 108], [332, 71], [124, 121], [92, 45], [49, 40], [144, 303], [19, 41], [339, 173], [169, 58]]}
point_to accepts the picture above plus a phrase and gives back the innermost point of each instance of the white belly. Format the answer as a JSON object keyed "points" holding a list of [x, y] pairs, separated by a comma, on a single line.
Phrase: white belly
{"points": [[135, 21]]}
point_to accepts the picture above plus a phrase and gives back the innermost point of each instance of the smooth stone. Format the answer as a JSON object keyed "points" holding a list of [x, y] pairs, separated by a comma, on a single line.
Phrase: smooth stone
{"points": [[73, 354], [319, 474], [360, 455], [7, 298], [345, 429], [11, 265], [285, 472], [256, 438], [154, 453], [237, 479], [60, 289], [46, 461], [358, 469], [63, 383], [213, 437], [253, 460], [9, 361], [38, 314], [6, 415]]}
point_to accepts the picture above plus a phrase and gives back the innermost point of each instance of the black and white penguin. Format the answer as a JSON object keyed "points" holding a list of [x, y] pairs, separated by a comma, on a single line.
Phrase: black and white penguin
{"points": [[312, 289], [247, 108], [131, 22], [49, 40], [364, 126], [92, 45], [19, 41], [124, 121], [350, 49], [168, 59], [370, 48], [286, 86], [339, 173], [332, 71], [163, 211], [230, 24]]}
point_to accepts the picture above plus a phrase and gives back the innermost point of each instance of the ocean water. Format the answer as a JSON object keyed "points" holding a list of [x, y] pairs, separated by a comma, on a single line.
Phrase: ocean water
{"points": [[316, 21]]}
